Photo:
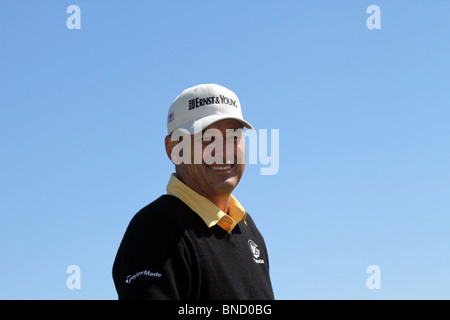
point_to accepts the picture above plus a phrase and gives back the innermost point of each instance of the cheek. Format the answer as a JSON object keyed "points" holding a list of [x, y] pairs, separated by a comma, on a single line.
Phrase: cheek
{"points": [[197, 153], [240, 152]]}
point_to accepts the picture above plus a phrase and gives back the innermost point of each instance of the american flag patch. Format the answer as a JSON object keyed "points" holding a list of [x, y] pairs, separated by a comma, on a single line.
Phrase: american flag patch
{"points": [[171, 117]]}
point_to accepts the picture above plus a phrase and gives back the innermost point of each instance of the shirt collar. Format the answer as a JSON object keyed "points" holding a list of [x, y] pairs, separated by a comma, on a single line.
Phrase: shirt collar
{"points": [[207, 210]]}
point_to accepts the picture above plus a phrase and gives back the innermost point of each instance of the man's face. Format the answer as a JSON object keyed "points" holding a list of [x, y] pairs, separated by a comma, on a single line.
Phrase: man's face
{"points": [[213, 179]]}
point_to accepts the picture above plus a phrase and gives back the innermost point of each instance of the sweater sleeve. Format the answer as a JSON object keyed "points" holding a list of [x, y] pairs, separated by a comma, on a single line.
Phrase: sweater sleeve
{"points": [[152, 262]]}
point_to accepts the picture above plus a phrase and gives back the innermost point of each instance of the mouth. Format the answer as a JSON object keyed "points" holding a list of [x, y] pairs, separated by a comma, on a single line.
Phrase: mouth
{"points": [[226, 168]]}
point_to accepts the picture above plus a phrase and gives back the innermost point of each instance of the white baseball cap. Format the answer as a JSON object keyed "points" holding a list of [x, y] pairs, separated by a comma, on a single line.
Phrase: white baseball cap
{"points": [[200, 106]]}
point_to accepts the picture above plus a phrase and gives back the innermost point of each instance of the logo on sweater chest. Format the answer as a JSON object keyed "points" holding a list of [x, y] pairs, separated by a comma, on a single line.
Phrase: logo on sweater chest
{"points": [[255, 251]]}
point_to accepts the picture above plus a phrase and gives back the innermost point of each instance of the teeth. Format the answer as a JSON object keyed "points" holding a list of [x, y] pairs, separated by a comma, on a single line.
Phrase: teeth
{"points": [[221, 168]]}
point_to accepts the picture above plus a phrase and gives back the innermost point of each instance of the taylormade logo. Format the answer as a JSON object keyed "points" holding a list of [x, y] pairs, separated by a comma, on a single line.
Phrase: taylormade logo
{"points": [[221, 99], [142, 273]]}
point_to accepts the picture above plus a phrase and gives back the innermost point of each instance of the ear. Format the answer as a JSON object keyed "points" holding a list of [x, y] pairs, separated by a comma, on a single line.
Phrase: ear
{"points": [[169, 146]]}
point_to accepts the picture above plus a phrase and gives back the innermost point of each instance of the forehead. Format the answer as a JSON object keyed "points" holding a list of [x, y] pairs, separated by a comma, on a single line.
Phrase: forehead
{"points": [[226, 124]]}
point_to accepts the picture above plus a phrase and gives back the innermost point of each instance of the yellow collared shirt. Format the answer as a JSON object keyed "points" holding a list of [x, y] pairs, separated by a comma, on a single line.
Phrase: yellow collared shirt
{"points": [[207, 210]]}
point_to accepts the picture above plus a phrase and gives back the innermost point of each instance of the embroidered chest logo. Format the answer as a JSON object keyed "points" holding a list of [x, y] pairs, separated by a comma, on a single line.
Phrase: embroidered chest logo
{"points": [[255, 251]]}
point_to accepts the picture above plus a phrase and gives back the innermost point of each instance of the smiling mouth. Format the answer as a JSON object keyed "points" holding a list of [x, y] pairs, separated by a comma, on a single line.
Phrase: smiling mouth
{"points": [[222, 167]]}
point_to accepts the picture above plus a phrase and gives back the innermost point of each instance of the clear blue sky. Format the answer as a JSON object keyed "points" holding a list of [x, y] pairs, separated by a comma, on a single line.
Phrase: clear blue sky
{"points": [[363, 118]]}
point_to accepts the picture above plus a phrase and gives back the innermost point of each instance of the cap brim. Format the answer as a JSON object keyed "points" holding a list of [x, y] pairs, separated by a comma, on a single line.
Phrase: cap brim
{"points": [[201, 124]]}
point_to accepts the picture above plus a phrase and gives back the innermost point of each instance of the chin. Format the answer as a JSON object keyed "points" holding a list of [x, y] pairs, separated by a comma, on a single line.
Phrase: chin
{"points": [[230, 183], [224, 181]]}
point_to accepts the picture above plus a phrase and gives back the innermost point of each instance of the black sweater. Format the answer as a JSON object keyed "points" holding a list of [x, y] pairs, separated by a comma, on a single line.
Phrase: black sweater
{"points": [[168, 252]]}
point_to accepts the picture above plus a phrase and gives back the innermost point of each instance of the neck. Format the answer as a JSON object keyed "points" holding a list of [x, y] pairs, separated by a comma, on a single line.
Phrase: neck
{"points": [[221, 201]]}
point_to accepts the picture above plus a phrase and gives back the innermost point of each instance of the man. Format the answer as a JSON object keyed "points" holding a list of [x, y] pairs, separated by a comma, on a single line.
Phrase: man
{"points": [[197, 241]]}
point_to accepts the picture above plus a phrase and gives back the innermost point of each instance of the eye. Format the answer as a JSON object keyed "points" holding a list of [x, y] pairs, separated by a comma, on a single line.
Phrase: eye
{"points": [[208, 141], [209, 138]]}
